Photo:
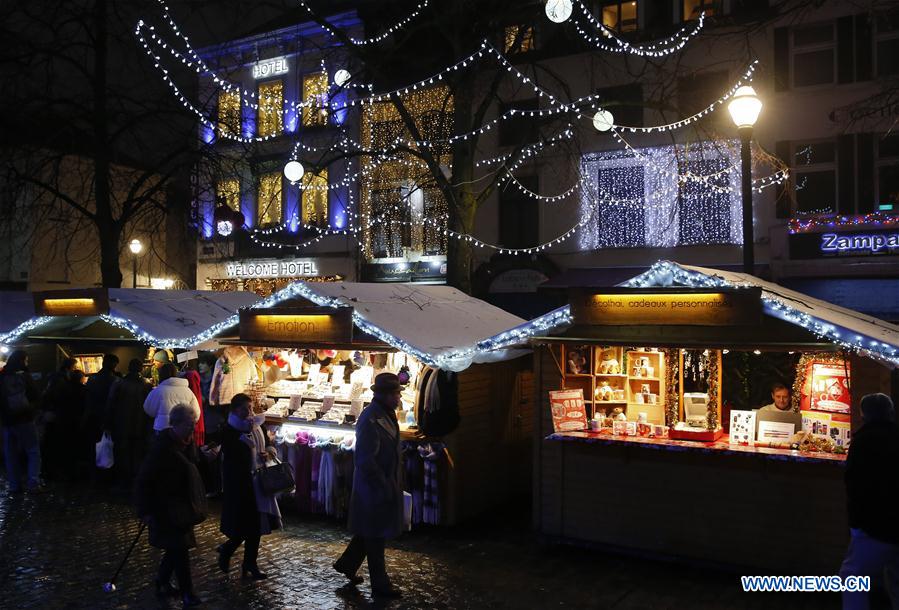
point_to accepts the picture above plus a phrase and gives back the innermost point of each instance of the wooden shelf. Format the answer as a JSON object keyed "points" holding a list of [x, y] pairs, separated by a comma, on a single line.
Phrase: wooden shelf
{"points": [[610, 375], [578, 375], [639, 351], [645, 379], [610, 402], [645, 404]]}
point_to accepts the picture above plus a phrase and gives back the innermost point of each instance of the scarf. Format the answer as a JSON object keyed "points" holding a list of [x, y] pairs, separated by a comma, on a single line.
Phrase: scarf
{"points": [[241, 425]]}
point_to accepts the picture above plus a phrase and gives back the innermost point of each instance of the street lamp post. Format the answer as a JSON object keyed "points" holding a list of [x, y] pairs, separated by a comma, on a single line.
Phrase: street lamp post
{"points": [[744, 109], [136, 248]]}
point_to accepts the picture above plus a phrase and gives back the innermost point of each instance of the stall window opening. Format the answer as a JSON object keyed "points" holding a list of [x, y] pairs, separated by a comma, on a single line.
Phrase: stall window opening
{"points": [[815, 177], [619, 16], [269, 203], [814, 56], [315, 95], [270, 117]]}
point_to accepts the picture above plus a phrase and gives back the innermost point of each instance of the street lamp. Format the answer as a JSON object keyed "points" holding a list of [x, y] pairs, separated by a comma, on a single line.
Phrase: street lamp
{"points": [[136, 248], [744, 109]]}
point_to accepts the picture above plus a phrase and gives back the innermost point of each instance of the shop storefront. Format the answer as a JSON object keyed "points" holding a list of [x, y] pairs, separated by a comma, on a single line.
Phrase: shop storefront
{"points": [[464, 409], [650, 437]]}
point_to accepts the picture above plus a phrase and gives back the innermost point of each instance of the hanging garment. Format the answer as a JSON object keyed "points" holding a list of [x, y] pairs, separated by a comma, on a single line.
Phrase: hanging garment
{"points": [[441, 405], [431, 453], [327, 478], [315, 503], [344, 478], [415, 479], [302, 469]]}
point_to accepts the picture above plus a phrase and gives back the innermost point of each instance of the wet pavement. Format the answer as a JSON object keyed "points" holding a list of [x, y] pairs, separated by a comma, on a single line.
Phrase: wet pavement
{"points": [[57, 550]]}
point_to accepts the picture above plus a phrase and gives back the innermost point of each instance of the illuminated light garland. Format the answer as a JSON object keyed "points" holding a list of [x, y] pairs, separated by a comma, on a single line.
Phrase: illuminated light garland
{"points": [[639, 207], [380, 37], [661, 48], [746, 77], [667, 273], [877, 219], [536, 196], [26, 326]]}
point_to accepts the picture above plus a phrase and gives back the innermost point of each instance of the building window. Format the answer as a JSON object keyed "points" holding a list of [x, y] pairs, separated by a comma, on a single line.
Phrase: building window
{"points": [[519, 129], [625, 102], [519, 39], [519, 215], [227, 193], [229, 112], [315, 95], [270, 117], [888, 44], [269, 203], [815, 177], [694, 8], [662, 196], [814, 55], [888, 174], [619, 16], [315, 199]]}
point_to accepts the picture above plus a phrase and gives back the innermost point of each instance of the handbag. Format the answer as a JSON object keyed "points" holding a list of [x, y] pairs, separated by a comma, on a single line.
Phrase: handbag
{"points": [[276, 478], [104, 452]]}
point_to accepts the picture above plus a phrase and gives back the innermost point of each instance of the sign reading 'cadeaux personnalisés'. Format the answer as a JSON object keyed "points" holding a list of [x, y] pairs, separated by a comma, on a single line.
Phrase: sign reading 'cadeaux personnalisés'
{"points": [[689, 308]]}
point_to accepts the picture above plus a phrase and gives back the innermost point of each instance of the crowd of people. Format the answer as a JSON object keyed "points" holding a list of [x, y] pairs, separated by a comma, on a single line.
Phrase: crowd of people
{"points": [[163, 452], [159, 435]]}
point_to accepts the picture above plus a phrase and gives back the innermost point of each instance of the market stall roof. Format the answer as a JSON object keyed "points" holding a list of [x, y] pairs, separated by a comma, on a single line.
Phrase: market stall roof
{"points": [[163, 318], [15, 307], [837, 325], [438, 324]]}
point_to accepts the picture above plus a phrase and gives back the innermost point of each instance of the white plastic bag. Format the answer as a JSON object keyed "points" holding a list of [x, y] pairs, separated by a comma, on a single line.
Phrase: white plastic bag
{"points": [[407, 510], [104, 452]]}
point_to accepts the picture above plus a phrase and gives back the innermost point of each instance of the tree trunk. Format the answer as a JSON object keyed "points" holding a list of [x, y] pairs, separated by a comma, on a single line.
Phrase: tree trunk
{"points": [[463, 206], [108, 229]]}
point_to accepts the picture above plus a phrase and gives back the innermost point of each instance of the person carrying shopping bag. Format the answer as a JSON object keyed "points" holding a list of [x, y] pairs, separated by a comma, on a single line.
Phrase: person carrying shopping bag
{"points": [[248, 513]]}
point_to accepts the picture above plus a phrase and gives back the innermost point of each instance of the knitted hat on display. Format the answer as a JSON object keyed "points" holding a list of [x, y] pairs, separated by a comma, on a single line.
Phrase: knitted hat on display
{"points": [[161, 356]]}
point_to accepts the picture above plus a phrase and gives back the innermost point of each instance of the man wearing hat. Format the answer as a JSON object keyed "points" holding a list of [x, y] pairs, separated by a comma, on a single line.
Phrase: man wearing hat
{"points": [[376, 505]]}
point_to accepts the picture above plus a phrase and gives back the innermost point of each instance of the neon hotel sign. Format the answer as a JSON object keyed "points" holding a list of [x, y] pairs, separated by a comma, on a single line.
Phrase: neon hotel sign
{"points": [[834, 243]]}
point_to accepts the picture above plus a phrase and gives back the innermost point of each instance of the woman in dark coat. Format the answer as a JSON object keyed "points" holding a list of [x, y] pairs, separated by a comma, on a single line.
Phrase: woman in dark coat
{"points": [[247, 513], [170, 500]]}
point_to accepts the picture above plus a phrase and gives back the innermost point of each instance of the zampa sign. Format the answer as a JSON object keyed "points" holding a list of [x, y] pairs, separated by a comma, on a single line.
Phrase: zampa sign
{"points": [[875, 243]]}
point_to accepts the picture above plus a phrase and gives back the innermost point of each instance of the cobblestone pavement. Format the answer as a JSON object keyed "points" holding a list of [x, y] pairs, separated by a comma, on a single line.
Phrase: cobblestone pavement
{"points": [[57, 549]]}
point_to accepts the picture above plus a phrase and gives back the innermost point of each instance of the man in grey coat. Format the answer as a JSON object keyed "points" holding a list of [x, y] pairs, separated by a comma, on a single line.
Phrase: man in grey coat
{"points": [[376, 505]]}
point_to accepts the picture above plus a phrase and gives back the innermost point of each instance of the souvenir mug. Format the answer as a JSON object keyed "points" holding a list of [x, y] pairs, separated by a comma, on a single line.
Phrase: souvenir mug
{"points": [[639, 398]]}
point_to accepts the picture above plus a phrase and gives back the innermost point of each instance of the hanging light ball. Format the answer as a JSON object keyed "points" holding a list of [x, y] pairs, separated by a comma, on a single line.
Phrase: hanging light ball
{"points": [[342, 77], [558, 10], [294, 171], [603, 120], [224, 227]]}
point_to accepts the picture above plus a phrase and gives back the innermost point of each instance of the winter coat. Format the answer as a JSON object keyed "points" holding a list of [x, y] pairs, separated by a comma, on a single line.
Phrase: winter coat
{"points": [[165, 484], [376, 505], [164, 397], [241, 370], [125, 417], [98, 387], [872, 481], [241, 516], [14, 383]]}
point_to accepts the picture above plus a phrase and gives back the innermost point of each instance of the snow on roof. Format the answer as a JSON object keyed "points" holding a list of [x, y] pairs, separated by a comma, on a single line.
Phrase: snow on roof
{"points": [[870, 336], [163, 318], [439, 325]]}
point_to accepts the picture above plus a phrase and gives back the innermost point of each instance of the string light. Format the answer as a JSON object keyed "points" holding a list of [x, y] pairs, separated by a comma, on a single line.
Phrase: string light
{"points": [[374, 39], [877, 219]]}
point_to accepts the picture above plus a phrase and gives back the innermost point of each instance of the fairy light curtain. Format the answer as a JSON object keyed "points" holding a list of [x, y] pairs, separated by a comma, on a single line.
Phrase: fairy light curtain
{"points": [[640, 201], [270, 204], [315, 198], [315, 93], [270, 117], [229, 112], [401, 207], [228, 192]]}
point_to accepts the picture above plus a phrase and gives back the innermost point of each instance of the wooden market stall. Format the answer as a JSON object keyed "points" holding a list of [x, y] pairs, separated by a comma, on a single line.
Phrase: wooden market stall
{"points": [[325, 343], [630, 455]]}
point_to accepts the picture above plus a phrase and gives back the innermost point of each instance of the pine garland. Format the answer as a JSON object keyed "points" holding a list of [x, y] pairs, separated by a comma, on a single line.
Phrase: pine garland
{"points": [[711, 416], [672, 410]]}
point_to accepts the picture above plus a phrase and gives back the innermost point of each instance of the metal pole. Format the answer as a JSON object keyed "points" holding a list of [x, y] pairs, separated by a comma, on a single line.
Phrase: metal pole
{"points": [[748, 238], [134, 271]]}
